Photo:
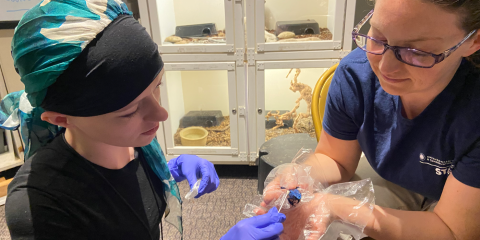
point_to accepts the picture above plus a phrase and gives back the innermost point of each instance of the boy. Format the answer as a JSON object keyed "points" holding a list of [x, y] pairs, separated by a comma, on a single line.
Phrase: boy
{"points": [[91, 69]]}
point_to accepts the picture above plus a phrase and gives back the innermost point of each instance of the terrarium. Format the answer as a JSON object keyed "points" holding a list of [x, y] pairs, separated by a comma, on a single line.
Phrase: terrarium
{"points": [[298, 21], [190, 22], [199, 109], [307, 25], [288, 99]]}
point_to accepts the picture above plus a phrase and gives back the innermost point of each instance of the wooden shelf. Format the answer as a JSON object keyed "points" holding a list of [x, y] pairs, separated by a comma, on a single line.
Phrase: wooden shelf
{"points": [[4, 189], [5, 165]]}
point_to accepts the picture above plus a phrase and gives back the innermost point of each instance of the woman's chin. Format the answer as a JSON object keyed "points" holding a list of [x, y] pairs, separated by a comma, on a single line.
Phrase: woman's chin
{"points": [[392, 89]]}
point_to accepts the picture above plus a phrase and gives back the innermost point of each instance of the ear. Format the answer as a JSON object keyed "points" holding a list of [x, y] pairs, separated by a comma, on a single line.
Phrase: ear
{"points": [[56, 119], [475, 45]]}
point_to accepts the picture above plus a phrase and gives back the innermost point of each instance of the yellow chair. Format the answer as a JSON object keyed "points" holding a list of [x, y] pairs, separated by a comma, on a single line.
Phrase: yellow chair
{"points": [[319, 99]]}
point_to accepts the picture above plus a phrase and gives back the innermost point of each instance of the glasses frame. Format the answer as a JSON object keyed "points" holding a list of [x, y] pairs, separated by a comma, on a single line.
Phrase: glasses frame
{"points": [[438, 57]]}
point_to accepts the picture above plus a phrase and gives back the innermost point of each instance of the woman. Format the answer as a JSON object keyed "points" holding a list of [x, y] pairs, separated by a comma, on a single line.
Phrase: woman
{"points": [[408, 97], [89, 116]]}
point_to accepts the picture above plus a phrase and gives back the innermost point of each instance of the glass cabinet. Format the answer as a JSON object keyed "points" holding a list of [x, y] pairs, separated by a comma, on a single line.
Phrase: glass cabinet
{"points": [[201, 99], [240, 72], [284, 96], [6, 147], [180, 26], [284, 25], [11, 149]]}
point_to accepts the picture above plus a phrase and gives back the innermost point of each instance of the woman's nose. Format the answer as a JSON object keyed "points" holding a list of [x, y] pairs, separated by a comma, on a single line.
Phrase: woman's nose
{"points": [[389, 63]]}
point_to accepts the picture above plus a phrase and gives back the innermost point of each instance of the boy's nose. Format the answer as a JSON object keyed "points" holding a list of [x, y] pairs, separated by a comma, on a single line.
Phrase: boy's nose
{"points": [[156, 113]]}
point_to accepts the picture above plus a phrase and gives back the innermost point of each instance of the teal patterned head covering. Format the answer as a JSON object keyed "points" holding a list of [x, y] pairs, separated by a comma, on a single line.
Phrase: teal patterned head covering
{"points": [[47, 39], [52, 34]]}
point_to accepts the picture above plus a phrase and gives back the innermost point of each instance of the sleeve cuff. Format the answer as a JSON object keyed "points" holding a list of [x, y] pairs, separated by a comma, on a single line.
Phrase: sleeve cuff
{"points": [[346, 137]]}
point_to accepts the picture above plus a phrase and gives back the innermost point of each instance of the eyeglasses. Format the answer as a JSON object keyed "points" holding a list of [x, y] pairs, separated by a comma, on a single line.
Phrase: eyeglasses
{"points": [[410, 56]]}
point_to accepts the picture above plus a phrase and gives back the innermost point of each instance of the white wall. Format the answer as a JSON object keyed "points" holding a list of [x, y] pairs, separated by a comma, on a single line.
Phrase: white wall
{"points": [[12, 79], [166, 16], [196, 91], [278, 96], [14, 10], [290, 10], [176, 109], [206, 90], [189, 12]]}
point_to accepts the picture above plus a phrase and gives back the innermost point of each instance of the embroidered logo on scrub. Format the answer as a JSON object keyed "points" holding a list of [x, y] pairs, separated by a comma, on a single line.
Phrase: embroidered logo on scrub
{"points": [[441, 167]]}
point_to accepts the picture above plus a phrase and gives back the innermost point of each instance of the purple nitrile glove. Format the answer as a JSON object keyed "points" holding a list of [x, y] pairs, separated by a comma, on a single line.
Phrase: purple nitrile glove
{"points": [[267, 226], [192, 167]]}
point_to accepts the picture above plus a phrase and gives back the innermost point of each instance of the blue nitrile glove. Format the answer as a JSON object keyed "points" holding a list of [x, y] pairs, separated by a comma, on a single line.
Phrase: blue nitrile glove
{"points": [[192, 167], [267, 226]]}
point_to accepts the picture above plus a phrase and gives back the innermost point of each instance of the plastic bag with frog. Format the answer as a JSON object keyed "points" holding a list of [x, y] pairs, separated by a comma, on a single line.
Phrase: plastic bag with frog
{"points": [[307, 202]]}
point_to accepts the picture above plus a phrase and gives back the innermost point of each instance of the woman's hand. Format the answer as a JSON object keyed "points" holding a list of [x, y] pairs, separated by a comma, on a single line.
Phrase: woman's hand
{"points": [[308, 219], [310, 214], [192, 167], [287, 177]]}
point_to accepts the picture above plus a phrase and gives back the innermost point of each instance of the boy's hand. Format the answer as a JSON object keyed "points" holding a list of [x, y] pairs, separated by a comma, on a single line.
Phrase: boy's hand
{"points": [[192, 167], [309, 220], [287, 177], [267, 226]]}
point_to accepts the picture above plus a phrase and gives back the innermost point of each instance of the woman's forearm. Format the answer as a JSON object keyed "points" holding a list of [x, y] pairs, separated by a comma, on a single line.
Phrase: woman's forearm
{"points": [[394, 224], [326, 169], [391, 224]]}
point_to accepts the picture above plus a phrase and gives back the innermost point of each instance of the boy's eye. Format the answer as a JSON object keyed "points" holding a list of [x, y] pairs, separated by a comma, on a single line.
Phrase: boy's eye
{"points": [[130, 114]]}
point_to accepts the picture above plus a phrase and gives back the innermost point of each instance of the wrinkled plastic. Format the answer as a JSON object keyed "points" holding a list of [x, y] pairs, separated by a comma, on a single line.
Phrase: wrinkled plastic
{"points": [[194, 191], [354, 214], [301, 157], [312, 218]]}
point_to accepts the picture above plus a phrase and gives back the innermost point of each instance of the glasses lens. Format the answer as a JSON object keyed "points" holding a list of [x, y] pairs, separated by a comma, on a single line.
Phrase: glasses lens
{"points": [[416, 58], [369, 45]]}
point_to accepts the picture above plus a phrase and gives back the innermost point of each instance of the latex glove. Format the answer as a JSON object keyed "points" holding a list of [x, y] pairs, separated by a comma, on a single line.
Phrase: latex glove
{"points": [[310, 214], [267, 226], [192, 167], [307, 221], [288, 176]]}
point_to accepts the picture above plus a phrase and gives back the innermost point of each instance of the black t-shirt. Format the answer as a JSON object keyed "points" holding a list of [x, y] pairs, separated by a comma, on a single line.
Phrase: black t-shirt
{"points": [[58, 194]]}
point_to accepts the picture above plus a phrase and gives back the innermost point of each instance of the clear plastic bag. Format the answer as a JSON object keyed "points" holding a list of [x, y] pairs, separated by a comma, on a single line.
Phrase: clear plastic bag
{"points": [[311, 217], [353, 203], [194, 191]]}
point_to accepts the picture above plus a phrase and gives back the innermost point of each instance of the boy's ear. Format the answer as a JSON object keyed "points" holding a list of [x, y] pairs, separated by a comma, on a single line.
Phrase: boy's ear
{"points": [[56, 119]]}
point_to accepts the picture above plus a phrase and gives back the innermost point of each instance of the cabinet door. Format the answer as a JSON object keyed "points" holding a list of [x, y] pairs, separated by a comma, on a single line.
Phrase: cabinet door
{"points": [[182, 26], [285, 25], [7, 147], [12, 79], [201, 99], [284, 95]]}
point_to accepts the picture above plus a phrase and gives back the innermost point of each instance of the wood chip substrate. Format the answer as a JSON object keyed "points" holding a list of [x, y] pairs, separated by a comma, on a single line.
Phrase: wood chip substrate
{"points": [[304, 126], [325, 34], [220, 135], [217, 136], [218, 38]]}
